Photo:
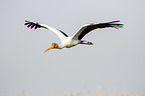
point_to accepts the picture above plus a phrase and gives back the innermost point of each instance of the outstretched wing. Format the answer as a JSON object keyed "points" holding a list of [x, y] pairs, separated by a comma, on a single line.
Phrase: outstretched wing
{"points": [[36, 25], [87, 28]]}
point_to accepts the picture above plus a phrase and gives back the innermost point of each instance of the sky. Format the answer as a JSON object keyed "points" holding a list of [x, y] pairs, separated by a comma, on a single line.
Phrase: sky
{"points": [[116, 61]]}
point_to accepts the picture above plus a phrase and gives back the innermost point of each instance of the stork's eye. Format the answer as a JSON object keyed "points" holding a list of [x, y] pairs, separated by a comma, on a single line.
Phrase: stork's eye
{"points": [[55, 45]]}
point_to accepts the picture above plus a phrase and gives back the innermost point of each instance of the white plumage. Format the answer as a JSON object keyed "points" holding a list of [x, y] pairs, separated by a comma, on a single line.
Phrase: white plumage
{"points": [[76, 39]]}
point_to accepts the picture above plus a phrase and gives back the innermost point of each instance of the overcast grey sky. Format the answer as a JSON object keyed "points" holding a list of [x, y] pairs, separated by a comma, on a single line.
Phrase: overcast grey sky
{"points": [[115, 61]]}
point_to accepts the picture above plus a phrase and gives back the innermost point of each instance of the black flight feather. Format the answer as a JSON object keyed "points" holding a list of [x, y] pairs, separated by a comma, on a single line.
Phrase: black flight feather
{"points": [[37, 25], [86, 29], [63, 33]]}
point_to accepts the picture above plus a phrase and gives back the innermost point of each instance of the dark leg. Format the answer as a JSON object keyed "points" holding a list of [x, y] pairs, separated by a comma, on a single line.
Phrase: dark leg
{"points": [[85, 42]]}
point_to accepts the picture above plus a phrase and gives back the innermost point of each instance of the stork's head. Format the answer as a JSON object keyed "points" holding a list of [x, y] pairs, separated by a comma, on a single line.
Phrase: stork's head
{"points": [[54, 45]]}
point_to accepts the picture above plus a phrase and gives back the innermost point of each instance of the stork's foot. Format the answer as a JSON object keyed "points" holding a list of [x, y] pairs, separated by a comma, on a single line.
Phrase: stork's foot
{"points": [[89, 43], [85, 42]]}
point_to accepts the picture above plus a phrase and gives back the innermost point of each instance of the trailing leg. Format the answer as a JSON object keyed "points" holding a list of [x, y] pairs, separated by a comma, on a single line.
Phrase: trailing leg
{"points": [[86, 42]]}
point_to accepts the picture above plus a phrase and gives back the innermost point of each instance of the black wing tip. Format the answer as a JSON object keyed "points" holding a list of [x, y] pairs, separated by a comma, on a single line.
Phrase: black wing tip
{"points": [[116, 24], [115, 21], [32, 25], [26, 21]]}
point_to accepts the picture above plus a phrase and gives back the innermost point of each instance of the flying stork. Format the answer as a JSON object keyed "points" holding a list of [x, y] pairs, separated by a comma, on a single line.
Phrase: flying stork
{"points": [[76, 39]]}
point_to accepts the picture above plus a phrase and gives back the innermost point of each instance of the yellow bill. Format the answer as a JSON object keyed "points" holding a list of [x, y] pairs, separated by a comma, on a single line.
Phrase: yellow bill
{"points": [[51, 47]]}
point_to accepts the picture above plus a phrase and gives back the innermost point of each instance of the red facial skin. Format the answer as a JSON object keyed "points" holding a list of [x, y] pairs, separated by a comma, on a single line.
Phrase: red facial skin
{"points": [[54, 45]]}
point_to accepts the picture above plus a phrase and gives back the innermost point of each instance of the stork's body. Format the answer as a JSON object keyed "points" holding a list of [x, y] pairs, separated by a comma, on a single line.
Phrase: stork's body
{"points": [[68, 42], [76, 39]]}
